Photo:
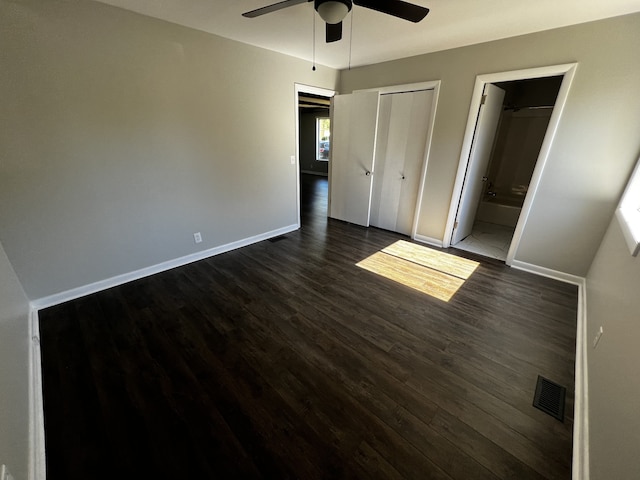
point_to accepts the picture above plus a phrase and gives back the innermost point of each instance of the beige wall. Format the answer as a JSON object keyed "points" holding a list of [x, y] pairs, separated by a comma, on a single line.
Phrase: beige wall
{"points": [[14, 372], [596, 143], [613, 302], [122, 135]]}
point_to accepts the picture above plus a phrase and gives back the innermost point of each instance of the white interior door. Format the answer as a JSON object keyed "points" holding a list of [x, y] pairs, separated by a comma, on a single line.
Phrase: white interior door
{"points": [[482, 146], [354, 121], [402, 132]]}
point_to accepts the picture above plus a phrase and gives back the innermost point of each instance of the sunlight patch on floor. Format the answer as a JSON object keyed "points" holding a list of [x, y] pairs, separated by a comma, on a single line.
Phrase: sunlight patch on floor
{"points": [[429, 271]]}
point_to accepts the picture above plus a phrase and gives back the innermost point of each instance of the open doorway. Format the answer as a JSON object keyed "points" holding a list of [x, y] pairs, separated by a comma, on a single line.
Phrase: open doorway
{"points": [[511, 125], [313, 139], [522, 120]]}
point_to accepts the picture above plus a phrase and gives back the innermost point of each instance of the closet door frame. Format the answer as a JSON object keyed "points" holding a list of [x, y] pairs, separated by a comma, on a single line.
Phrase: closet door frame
{"points": [[414, 87]]}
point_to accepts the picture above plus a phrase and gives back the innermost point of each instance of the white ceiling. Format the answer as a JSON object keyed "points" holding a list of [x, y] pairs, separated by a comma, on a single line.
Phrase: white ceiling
{"points": [[377, 37]]}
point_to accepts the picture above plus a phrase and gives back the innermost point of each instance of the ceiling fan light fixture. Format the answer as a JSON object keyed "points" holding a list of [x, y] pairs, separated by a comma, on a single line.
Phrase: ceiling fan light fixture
{"points": [[332, 11]]}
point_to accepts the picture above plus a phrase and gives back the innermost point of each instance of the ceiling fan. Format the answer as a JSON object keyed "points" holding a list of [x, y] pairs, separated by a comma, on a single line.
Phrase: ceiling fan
{"points": [[334, 11]]}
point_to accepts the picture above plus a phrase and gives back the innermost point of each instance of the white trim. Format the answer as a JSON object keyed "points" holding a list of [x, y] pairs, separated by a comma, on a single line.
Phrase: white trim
{"points": [[37, 454], [568, 71], [436, 242], [406, 87], [37, 458], [310, 89], [301, 88], [425, 162], [467, 143], [543, 156], [580, 468], [548, 272], [78, 292]]}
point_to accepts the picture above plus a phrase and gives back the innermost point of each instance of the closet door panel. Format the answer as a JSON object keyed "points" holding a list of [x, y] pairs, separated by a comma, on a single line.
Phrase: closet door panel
{"points": [[401, 140], [382, 136], [389, 181], [398, 141], [420, 115], [354, 120]]}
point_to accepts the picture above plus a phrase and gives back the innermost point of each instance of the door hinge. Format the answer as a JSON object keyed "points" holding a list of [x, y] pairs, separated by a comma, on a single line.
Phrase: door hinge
{"points": [[483, 99], [455, 225]]}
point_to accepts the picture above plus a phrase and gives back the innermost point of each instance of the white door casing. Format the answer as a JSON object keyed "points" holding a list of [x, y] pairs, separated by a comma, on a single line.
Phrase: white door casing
{"points": [[568, 72], [481, 149], [298, 89], [354, 120]]}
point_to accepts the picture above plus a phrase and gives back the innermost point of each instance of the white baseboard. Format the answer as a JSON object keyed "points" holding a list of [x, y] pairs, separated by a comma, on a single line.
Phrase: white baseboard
{"points": [[37, 466], [78, 292], [37, 459], [547, 272], [580, 469], [37, 454], [436, 242]]}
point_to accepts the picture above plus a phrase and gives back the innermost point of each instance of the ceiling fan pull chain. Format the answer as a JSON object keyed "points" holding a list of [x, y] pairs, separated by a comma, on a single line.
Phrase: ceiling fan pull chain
{"points": [[313, 17], [351, 36]]}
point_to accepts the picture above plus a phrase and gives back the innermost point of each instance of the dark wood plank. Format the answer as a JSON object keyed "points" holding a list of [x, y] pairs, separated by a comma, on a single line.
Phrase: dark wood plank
{"points": [[286, 360]]}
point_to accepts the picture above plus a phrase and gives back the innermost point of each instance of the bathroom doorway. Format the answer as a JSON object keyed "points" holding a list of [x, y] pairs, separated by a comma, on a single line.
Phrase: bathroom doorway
{"points": [[510, 129]]}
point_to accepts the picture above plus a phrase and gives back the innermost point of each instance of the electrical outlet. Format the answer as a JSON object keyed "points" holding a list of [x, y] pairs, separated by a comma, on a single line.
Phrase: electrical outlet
{"points": [[293, 159], [197, 237], [597, 339], [4, 473]]}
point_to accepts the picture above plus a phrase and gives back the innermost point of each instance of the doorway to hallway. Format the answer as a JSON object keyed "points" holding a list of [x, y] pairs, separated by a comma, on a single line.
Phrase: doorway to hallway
{"points": [[313, 149]]}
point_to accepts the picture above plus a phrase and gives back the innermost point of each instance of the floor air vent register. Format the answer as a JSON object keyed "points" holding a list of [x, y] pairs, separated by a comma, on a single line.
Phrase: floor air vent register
{"points": [[550, 398]]}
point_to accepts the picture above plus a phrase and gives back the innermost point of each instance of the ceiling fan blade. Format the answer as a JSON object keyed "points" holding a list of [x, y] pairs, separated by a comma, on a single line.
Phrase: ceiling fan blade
{"points": [[273, 8], [334, 32], [397, 8]]}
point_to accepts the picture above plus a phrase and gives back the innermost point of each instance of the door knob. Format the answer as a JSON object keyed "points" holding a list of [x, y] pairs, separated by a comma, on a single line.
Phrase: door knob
{"points": [[484, 179], [368, 173], [402, 177]]}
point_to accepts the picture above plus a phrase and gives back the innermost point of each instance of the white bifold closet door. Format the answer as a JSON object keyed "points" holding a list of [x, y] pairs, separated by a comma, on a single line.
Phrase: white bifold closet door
{"points": [[403, 123], [354, 119]]}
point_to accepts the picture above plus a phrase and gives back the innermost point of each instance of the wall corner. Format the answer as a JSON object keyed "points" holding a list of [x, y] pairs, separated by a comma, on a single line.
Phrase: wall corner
{"points": [[580, 468]]}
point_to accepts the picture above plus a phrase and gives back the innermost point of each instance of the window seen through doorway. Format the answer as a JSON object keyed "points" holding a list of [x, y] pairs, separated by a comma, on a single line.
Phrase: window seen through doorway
{"points": [[323, 141]]}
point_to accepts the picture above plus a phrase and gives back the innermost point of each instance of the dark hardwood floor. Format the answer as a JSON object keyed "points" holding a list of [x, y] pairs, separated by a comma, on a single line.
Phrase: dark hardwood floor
{"points": [[285, 360]]}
